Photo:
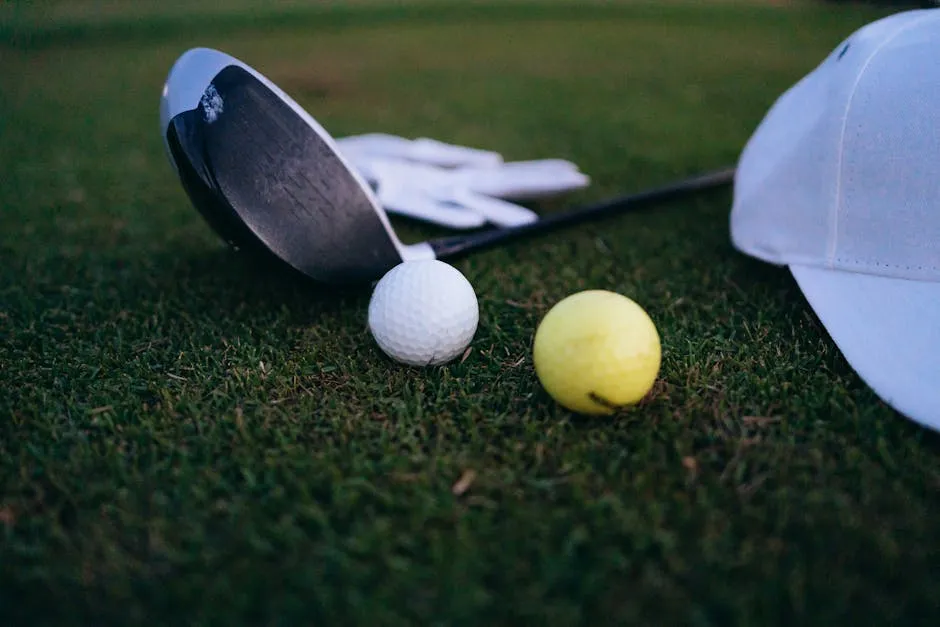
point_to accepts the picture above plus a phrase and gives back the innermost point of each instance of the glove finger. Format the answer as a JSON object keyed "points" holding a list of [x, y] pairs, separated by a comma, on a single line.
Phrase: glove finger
{"points": [[407, 174], [421, 207], [494, 210], [441, 215], [543, 167], [540, 165], [422, 150], [374, 144], [525, 184], [432, 151]]}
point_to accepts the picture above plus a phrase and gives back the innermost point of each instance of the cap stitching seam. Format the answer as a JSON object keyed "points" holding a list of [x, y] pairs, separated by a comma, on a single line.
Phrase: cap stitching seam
{"points": [[869, 262], [837, 205]]}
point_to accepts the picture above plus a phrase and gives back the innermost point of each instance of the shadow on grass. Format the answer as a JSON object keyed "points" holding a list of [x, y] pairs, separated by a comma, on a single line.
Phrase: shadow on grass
{"points": [[773, 287], [225, 281], [147, 290]]}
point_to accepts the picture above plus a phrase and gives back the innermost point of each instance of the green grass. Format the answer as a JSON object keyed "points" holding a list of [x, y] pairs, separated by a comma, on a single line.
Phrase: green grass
{"points": [[188, 440]]}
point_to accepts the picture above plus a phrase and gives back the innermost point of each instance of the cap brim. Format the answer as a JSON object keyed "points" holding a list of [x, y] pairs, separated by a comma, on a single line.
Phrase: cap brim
{"points": [[887, 329]]}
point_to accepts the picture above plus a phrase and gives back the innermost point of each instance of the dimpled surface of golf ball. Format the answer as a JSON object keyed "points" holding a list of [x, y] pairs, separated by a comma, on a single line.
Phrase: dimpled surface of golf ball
{"points": [[596, 352], [423, 313]]}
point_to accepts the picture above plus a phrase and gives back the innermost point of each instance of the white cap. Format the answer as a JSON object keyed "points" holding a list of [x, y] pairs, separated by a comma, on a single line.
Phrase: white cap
{"points": [[841, 183]]}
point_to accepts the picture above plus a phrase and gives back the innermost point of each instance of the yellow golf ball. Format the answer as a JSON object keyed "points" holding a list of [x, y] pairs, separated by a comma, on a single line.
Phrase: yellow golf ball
{"points": [[596, 352]]}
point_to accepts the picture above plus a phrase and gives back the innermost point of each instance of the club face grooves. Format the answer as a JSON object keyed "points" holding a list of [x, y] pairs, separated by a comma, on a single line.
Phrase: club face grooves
{"points": [[266, 181]]}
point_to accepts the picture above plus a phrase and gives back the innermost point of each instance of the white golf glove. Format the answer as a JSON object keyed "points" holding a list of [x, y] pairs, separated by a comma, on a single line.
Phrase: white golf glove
{"points": [[455, 186]]}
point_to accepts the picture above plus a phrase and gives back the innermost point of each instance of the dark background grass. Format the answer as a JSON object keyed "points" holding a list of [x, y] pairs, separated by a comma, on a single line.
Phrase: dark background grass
{"points": [[187, 438]]}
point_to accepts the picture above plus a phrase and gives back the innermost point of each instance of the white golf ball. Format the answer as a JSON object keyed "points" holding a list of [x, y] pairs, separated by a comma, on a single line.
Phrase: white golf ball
{"points": [[423, 313]]}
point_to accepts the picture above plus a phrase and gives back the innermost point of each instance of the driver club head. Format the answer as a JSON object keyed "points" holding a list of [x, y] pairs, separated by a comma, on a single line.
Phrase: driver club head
{"points": [[268, 178]]}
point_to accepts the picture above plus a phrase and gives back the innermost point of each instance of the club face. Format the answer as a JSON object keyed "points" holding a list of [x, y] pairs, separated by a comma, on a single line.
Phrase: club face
{"points": [[185, 153], [267, 177]]}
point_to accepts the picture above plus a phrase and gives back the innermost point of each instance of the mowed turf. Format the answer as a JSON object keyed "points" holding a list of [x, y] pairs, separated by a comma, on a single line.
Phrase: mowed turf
{"points": [[188, 439]]}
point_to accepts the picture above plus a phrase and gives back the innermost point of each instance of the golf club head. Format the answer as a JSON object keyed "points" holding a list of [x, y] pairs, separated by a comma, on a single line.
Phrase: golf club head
{"points": [[268, 178]]}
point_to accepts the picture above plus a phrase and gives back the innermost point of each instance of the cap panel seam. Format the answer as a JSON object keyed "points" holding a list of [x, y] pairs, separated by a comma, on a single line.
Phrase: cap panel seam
{"points": [[837, 205]]}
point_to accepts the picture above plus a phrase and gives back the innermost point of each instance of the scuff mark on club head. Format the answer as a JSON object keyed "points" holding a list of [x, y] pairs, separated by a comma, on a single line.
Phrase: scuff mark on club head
{"points": [[211, 103]]}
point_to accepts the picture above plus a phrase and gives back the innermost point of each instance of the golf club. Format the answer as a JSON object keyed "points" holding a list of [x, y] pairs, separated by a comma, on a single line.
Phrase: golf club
{"points": [[269, 179]]}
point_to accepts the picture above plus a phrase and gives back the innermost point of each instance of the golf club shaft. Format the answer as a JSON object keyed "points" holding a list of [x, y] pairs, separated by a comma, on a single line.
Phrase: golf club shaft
{"points": [[457, 245]]}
